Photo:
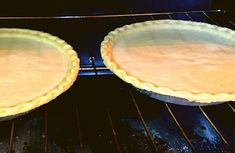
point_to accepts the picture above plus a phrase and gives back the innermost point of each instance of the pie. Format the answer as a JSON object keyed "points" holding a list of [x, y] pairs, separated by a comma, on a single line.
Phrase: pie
{"points": [[35, 67], [183, 59]]}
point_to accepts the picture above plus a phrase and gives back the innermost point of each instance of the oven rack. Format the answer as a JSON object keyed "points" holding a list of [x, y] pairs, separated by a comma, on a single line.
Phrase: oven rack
{"points": [[101, 113]]}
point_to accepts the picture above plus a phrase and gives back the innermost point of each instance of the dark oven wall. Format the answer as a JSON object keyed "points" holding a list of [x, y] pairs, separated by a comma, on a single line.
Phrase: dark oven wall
{"points": [[88, 7], [227, 5]]}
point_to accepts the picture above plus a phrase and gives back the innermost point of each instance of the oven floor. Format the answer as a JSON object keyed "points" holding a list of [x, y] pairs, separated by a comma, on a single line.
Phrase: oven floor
{"points": [[102, 114]]}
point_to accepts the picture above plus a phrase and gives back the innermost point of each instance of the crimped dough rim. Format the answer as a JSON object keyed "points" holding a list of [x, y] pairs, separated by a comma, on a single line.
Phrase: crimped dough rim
{"points": [[70, 77], [109, 41]]}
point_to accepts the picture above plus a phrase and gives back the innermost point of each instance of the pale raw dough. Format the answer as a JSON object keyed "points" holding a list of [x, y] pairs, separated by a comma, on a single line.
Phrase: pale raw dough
{"points": [[28, 68], [178, 58]]}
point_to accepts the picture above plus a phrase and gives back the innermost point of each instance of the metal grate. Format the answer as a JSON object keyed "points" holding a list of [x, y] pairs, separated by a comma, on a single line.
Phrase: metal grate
{"points": [[101, 113]]}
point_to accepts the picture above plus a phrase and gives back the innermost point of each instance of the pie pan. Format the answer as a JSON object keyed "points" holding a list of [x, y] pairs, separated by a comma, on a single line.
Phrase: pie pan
{"points": [[35, 68], [192, 61]]}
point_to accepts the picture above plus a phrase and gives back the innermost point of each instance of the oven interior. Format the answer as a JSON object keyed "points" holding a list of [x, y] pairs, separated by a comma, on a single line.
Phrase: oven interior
{"points": [[100, 113]]}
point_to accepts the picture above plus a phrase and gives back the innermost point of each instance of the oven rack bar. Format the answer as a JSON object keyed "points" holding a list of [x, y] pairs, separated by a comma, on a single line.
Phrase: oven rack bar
{"points": [[101, 16], [144, 123], [46, 129]]}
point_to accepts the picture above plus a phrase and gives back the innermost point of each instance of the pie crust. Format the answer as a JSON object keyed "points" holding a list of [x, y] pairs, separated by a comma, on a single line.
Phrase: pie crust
{"points": [[189, 60], [35, 68]]}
